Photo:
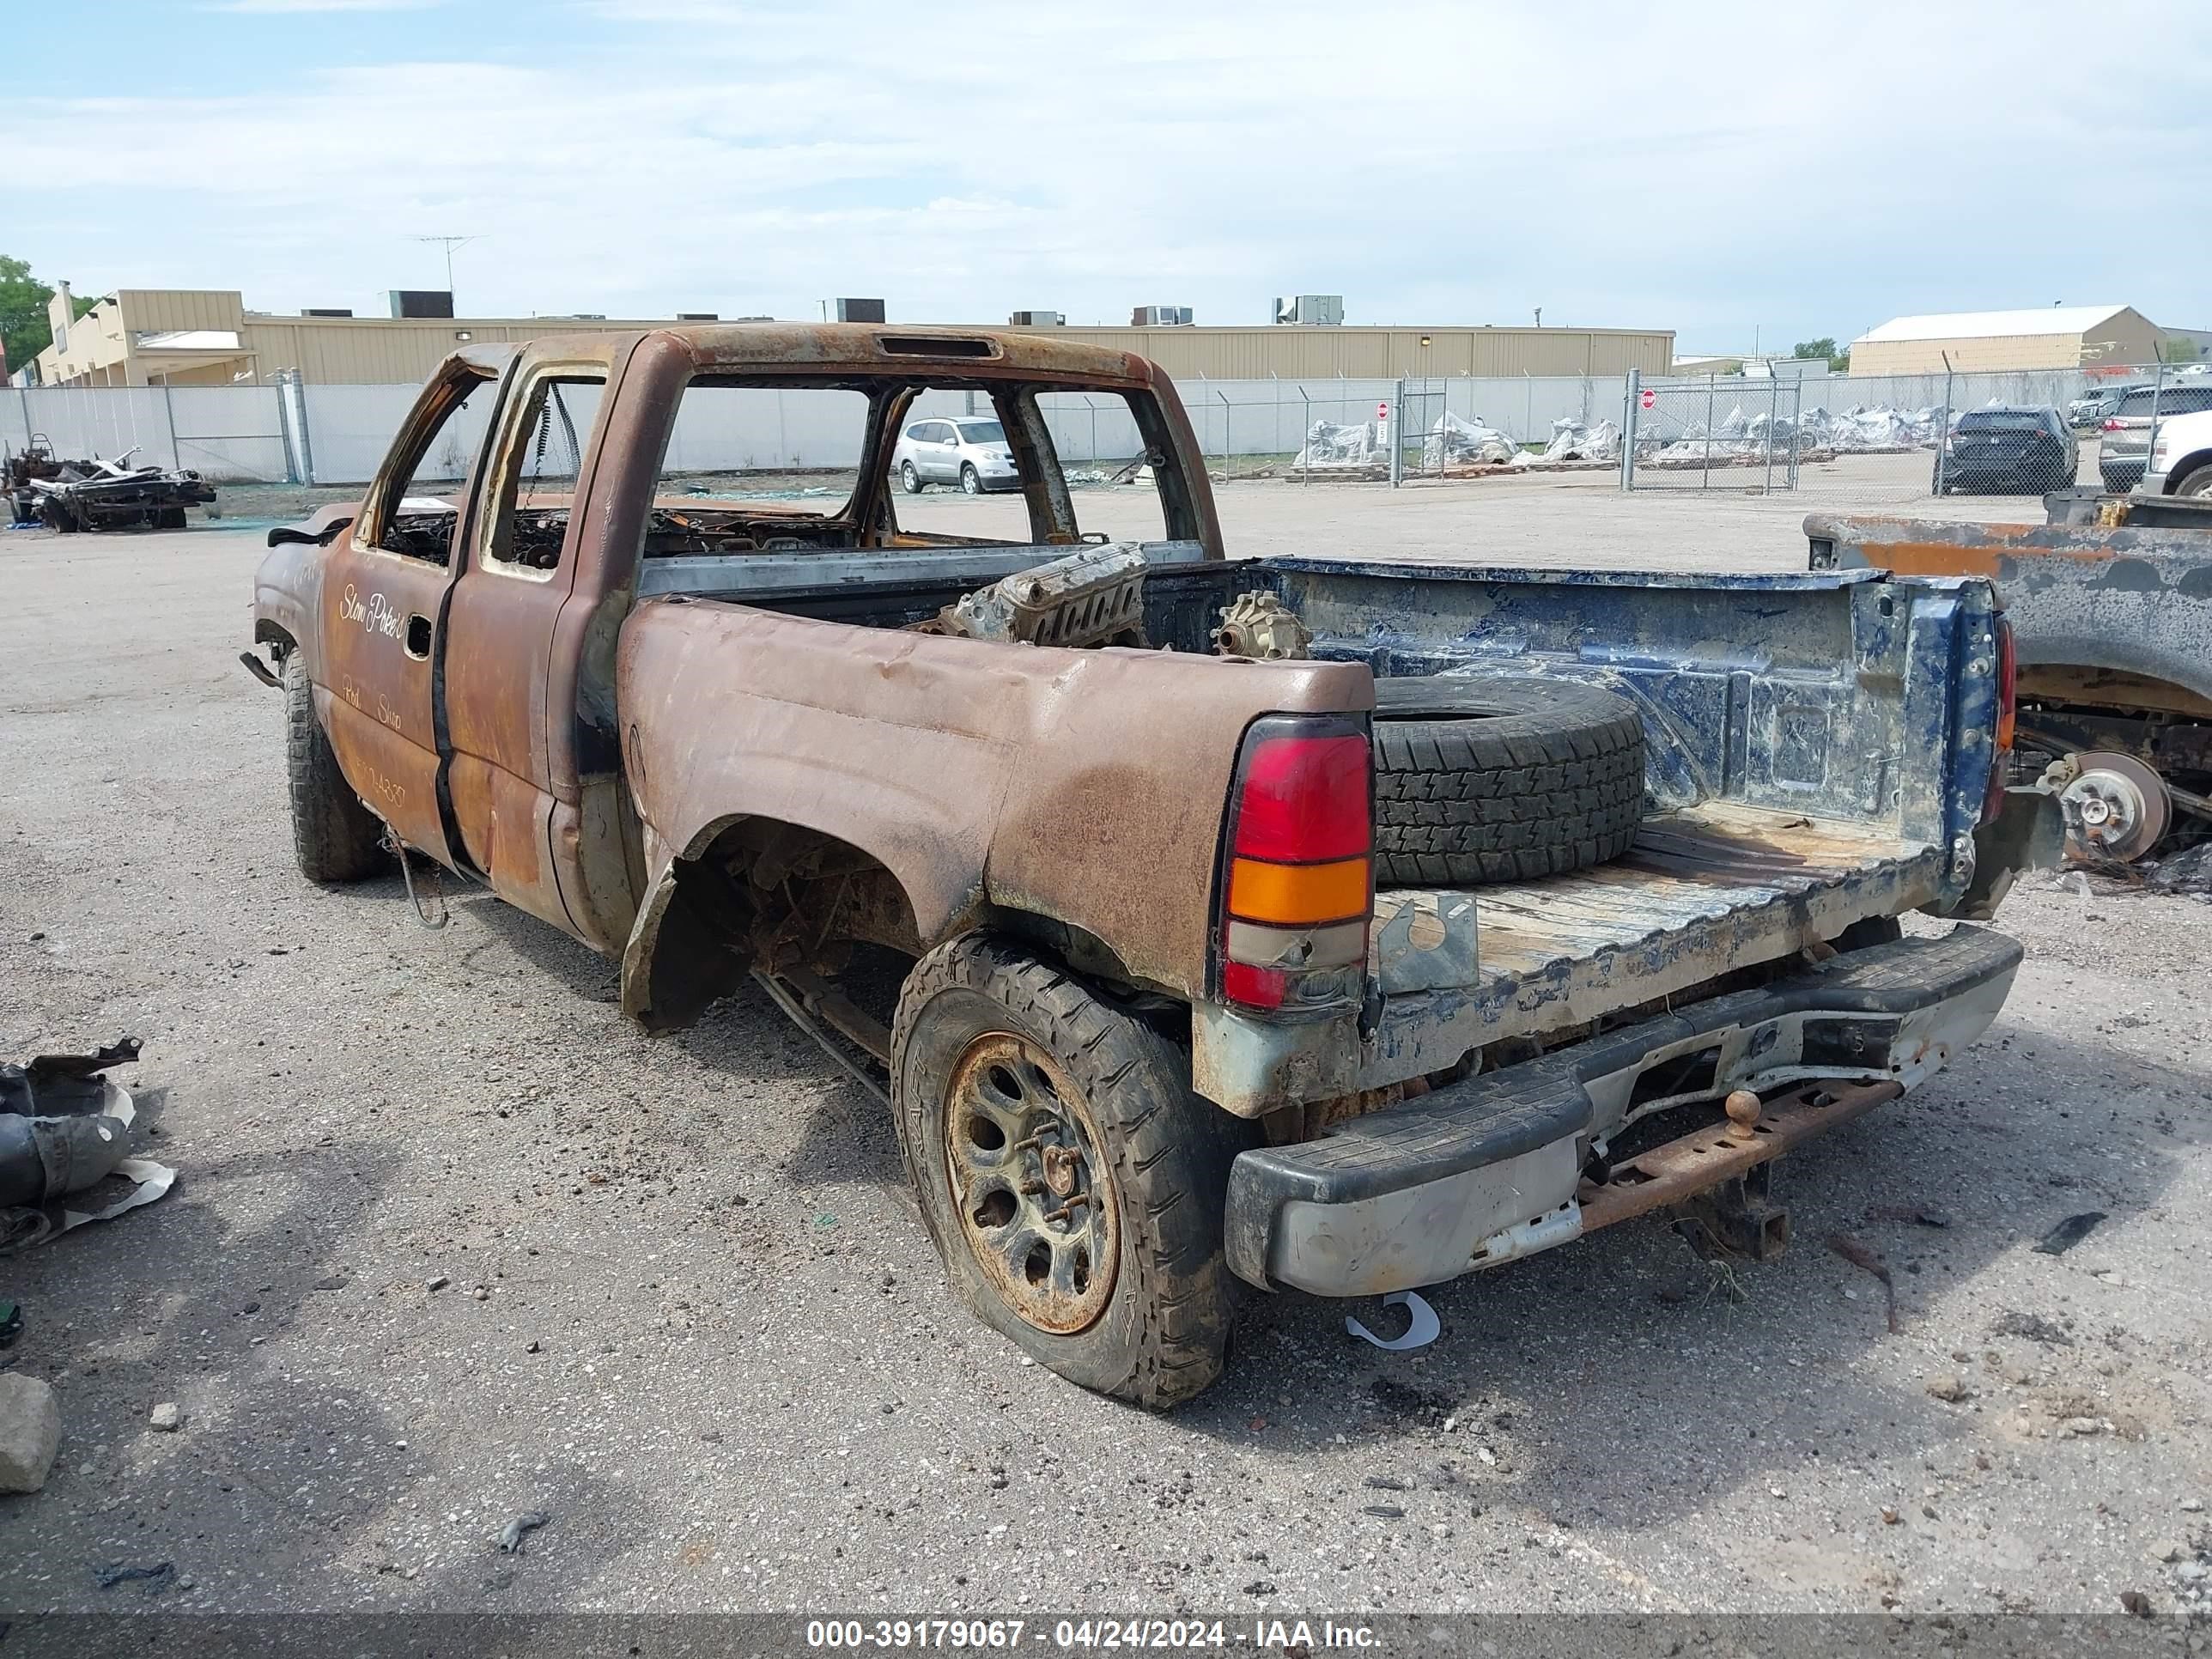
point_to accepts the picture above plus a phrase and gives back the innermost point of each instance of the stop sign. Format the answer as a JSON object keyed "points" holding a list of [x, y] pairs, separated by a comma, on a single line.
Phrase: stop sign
{"points": [[1649, 399]]}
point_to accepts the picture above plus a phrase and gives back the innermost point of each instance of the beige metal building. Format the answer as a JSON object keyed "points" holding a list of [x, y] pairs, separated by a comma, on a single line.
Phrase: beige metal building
{"points": [[2060, 336], [149, 337], [1292, 352]]}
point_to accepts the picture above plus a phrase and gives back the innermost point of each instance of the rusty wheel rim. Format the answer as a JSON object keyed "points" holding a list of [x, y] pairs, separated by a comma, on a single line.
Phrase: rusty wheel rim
{"points": [[1035, 1200]]}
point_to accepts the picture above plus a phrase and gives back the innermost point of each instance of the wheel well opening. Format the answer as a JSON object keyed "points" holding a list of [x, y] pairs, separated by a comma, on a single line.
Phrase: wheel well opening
{"points": [[763, 894]]}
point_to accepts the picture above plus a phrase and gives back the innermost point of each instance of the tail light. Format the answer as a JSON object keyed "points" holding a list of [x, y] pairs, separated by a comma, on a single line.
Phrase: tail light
{"points": [[1297, 881], [2113, 425], [2008, 679]]}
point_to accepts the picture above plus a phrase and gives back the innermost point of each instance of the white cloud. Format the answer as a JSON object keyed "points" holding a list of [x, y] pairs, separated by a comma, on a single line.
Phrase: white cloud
{"points": [[1809, 169]]}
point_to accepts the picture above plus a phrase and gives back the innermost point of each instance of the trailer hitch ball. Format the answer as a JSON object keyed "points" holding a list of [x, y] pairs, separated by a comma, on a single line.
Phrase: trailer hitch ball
{"points": [[1743, 1108]]}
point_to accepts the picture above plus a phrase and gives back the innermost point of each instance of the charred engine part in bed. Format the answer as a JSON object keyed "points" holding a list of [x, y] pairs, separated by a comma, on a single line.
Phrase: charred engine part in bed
{"points": [[1094, 597], [1260, 626]]}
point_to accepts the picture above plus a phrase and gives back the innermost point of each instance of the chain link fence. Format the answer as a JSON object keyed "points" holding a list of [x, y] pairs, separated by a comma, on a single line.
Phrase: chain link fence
{"points": [[2023, 433], [1723, 432]]}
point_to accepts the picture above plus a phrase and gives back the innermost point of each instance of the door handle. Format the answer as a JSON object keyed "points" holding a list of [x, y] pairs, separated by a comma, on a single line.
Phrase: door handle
{"points": [[418, 637]]}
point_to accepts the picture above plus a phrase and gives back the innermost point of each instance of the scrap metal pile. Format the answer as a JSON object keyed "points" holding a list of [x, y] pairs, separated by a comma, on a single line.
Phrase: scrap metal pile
{"points": [[95, 494], [1815, 434]]}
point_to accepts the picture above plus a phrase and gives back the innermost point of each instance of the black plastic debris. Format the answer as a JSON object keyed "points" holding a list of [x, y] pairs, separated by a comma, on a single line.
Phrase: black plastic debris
{"points": [[157, 1575], [2070, 1232]]}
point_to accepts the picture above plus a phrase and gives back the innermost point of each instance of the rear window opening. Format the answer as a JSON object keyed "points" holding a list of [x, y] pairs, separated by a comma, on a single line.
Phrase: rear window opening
{"points": [[902, 345]]}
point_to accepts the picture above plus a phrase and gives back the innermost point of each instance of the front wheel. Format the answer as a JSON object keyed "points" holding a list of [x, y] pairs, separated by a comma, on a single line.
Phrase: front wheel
{"points": [[1071, 1180], [971, 481], [334, 837], [2198, 482], [909, 480]]}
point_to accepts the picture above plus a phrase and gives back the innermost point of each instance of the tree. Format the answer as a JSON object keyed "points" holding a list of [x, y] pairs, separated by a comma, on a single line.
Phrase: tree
{"points": [[23, 323], [1810, 349]]}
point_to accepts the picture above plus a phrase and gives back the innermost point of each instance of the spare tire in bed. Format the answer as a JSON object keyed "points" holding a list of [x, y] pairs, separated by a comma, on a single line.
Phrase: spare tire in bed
{"points": [[1496, 779]]}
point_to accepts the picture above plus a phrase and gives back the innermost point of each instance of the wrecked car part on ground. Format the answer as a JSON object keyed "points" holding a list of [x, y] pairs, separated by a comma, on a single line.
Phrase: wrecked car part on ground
{"points": [[65, 1128], [90, 495], [1154, 1004]]}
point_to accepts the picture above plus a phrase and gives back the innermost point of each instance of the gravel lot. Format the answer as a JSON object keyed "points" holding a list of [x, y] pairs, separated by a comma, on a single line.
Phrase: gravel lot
{"points": [[685, 1309]]}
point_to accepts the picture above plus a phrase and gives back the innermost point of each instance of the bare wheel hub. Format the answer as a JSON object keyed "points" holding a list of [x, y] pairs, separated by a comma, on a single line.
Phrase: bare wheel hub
{"points": [[1036, 1202], [2116, 807]]}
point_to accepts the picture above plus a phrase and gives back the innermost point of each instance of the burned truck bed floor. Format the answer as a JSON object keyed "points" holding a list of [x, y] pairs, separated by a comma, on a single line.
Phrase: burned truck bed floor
{"points": [[1708, 886]]}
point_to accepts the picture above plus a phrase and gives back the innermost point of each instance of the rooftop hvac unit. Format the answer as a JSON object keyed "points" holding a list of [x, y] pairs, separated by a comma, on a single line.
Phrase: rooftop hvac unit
{"points": [[421, 301], [1160, 317], [1037, 319], [860, 310], [1314, 310], [325, 311]]}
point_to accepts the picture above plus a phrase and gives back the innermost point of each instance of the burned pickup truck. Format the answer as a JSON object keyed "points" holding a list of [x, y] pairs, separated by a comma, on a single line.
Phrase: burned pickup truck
{"points": [[1323, 922]]}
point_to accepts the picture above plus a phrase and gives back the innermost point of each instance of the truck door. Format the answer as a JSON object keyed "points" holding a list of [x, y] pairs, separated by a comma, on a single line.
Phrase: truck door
{"points": [[384, 591], [511, 772]]}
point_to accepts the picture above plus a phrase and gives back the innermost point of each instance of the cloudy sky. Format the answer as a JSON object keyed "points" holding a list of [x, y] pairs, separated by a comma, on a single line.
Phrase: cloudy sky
{"points": [[1717, 168]]}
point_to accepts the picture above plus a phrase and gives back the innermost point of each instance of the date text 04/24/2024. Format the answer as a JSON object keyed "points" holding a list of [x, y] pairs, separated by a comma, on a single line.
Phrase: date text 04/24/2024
{"points": [[1087, 1634]]}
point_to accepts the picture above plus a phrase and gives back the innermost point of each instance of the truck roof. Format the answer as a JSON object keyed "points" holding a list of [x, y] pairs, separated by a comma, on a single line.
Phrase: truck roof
{"points": [[873, 348]]}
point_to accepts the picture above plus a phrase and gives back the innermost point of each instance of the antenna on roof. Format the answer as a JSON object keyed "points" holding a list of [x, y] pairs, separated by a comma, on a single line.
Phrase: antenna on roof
{"points": [[451, 243]]}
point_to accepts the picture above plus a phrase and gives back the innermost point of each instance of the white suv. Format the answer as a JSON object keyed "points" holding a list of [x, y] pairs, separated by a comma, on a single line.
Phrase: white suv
{"points": [[2181, 459], [970, 451]]}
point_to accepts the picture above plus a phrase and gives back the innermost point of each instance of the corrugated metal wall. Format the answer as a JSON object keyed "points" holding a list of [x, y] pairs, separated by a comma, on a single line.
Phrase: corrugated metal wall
{"points": [[1290, 352], [373, 350], [166, 310]]}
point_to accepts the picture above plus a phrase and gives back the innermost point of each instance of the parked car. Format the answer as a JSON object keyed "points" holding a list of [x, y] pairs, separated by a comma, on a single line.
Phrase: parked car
{"points": [[2181, 461], [1337, 922], [2124, 448], [2005, 450], [2090, 410], [970, 452]]}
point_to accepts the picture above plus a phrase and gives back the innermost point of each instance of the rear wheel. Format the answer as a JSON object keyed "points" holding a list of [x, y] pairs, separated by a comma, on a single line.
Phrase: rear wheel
{"points": [[970, 480], [334, 837], [909, 480], [2198, 482], [1072, 1181]]}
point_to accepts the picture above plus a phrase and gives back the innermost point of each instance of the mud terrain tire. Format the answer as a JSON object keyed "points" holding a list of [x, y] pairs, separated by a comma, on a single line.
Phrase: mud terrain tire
{"points": [[334, 837], [1155, 1155], [1480, 779]]}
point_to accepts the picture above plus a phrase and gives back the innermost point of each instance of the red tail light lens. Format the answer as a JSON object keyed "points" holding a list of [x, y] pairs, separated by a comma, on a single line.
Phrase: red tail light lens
{"points": [[1304, 799], [2007, 683], [2112, 426], [1296, 882], [2008, 679]]}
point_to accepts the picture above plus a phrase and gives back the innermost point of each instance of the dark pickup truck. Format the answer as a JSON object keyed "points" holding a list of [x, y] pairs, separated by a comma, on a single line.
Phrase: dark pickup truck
{"points": [[1328, 922]]}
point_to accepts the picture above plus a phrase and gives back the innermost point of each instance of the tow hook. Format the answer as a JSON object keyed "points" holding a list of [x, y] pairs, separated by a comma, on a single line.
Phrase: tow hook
{"points": [[259, 670]]}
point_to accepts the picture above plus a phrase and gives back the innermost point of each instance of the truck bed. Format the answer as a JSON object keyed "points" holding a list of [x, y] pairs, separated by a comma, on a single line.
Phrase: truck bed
{"points": [[1707, 888]]}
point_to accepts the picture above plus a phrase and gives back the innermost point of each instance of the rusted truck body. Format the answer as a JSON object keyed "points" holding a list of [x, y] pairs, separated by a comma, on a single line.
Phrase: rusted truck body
{"points": [[2109, 606], [1098, 912]]}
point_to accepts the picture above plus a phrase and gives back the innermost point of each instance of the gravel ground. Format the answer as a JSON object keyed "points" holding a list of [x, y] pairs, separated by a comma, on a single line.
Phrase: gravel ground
{"points": [[682, 1306]]}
